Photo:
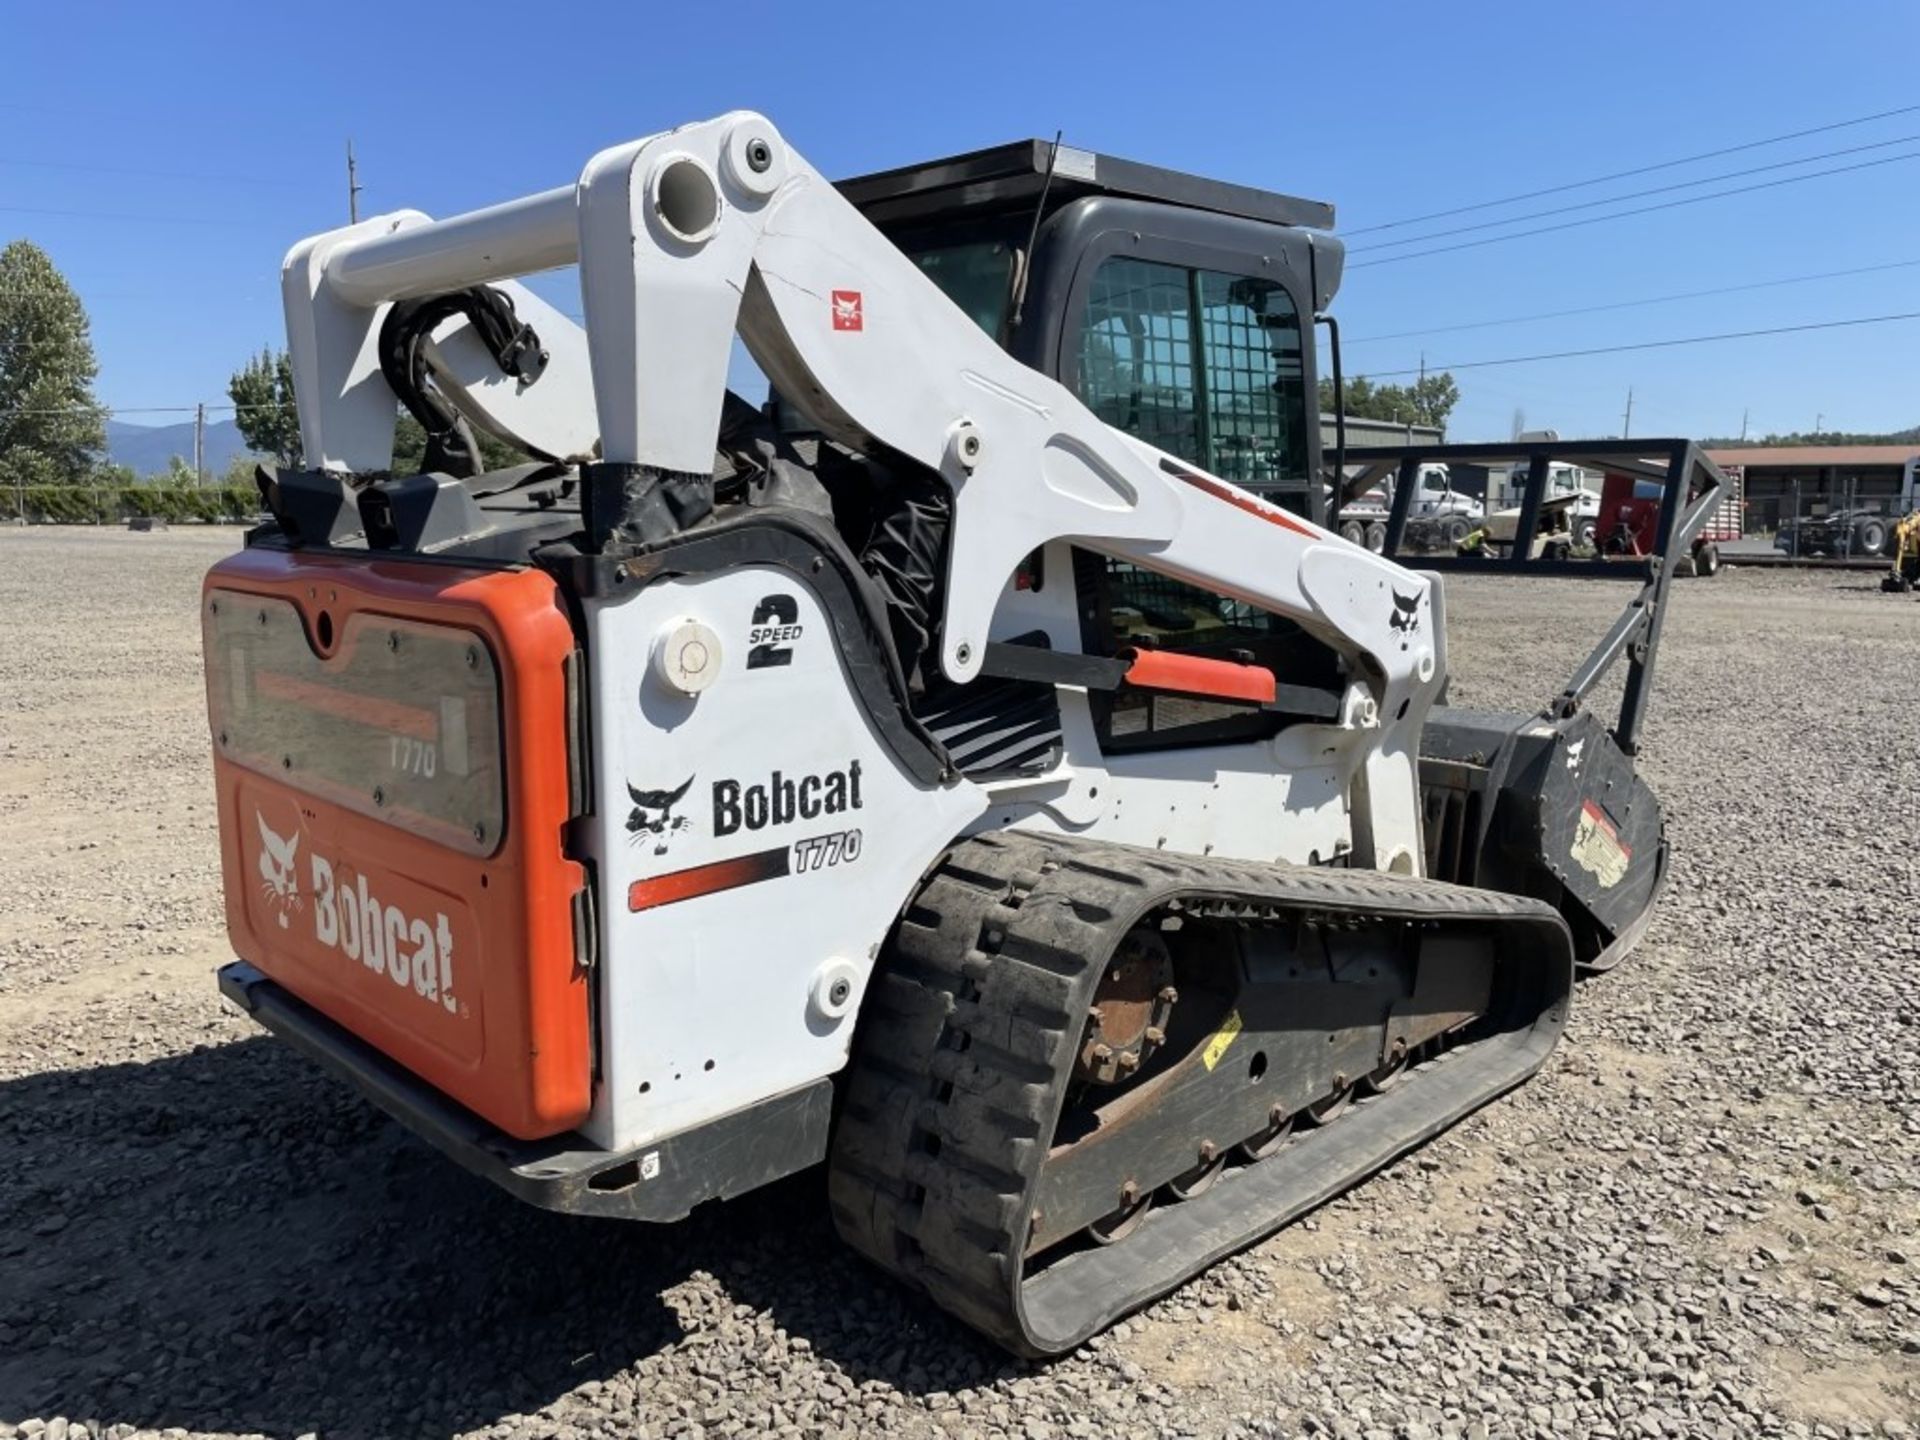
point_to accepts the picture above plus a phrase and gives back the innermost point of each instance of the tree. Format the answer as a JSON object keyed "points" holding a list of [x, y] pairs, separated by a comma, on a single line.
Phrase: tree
{"points": [[263, 407], [51, 426], [410, 448], [1428, 401], [1909, 436], [240, 471]]}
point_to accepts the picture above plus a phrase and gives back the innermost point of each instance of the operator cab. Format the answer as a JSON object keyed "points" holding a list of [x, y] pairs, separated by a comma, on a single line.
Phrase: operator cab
{"points": [[1179, 309]]}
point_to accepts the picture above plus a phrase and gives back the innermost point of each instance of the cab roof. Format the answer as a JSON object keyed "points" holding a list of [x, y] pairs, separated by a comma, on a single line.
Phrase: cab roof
{"points": [[1011, 177]]}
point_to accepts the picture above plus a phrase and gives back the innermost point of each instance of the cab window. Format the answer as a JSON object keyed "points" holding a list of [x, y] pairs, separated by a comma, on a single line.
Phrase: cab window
{"points": [[977, 276], [1129, 607], [1208, 367], [1204, 365]]}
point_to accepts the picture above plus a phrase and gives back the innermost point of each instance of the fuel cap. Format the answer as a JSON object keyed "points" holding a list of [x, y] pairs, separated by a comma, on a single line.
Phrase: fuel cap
{"points": [[686, 656]]}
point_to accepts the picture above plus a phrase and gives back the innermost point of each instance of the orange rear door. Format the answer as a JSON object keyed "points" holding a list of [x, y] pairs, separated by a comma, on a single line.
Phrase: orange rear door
{"points": [[391, 752]]}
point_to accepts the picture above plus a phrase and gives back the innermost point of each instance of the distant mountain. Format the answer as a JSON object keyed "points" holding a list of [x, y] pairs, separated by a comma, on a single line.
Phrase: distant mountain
{"points": [[147, 448]]}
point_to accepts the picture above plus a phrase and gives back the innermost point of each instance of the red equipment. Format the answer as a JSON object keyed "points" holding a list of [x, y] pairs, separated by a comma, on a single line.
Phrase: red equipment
{"points": [[1629, 515]]}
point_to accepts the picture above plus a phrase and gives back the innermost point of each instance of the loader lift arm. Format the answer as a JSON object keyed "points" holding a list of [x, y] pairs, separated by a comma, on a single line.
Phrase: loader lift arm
{"points": [[684, 239]]}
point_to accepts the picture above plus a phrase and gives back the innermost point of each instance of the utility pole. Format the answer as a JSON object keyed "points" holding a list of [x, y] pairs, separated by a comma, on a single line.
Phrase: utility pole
{"points": [[1626, 423], [1819, 415], [1743, 427], [353, 188], [199, 444], [1423, 367]]}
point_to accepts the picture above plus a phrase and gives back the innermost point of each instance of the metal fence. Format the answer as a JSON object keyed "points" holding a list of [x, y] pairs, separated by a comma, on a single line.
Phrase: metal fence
{"points": [[1846, 520]]}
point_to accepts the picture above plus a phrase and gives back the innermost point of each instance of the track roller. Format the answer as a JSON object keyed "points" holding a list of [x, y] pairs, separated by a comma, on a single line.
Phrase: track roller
{"points": [[1256, 1148], [1191, 1184]]}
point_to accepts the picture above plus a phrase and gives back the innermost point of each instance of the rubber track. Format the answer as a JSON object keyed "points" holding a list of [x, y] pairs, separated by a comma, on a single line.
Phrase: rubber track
{"points": [[967, 1038]]}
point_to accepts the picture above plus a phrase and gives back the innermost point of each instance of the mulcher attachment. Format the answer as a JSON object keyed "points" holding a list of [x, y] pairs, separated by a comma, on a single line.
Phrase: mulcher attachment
{"points": [[1550, 808], [1064, 1031]]}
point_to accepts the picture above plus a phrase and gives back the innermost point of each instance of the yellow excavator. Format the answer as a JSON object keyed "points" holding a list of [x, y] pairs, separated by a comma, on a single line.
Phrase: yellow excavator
{"points": [[1904, 542]]}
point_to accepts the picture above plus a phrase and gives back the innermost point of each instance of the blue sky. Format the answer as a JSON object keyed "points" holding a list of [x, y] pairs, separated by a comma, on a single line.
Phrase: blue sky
{"points": [[190, 145]]}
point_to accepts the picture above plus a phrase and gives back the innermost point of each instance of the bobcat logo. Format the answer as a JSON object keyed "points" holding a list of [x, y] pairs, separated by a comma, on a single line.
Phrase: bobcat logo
{"points": [[846, 310], [279, 886], [653, 815], [1406, 613]]}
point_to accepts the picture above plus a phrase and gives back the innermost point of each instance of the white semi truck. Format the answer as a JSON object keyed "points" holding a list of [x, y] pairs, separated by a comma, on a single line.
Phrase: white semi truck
{"points": [[1446, 514]]}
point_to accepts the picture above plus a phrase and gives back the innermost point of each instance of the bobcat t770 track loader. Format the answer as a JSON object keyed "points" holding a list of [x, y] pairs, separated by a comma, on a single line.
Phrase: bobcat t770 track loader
{"points": [[978, 770]]}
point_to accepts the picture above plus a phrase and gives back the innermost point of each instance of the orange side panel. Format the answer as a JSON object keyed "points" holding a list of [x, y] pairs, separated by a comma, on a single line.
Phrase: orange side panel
{"points": [[460, 967], [1200, 675]]}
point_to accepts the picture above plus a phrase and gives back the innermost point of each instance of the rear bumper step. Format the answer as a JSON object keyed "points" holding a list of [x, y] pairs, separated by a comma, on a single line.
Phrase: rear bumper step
{"points": [[659, 1181]]}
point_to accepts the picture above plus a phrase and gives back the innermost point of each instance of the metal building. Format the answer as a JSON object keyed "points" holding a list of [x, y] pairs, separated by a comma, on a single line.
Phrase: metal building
{"points": [[1785, 480], [1376, 432]]}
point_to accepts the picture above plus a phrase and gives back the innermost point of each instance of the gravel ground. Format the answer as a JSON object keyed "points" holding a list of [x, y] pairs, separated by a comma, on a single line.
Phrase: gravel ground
{"points": [[1702, 1219]]}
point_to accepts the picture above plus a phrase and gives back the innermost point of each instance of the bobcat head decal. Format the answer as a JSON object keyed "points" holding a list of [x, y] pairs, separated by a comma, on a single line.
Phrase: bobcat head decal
{"points": [[653, 815], [1406, 612], [279, 886]]}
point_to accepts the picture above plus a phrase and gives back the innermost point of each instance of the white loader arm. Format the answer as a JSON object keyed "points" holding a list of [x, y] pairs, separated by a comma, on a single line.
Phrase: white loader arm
{"points": [[685, 238], [347, 412]]}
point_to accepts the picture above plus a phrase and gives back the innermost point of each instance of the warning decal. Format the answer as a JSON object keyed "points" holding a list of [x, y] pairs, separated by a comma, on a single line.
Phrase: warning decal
{"points": [[1597, 847], [1222, 1038]]}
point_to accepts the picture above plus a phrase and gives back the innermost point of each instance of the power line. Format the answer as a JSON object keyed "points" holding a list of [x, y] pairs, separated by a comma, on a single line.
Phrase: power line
{"points": [[1638, 210], [1637, 170], [147, 172], [1636, 194], [112, 410], [1372, 374], [1629, 304], [1655, 344], [124, 215], [75, 292]]}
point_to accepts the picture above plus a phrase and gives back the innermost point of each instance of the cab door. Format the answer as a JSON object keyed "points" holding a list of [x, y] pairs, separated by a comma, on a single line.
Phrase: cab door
{"points": [[1190, 330]]}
